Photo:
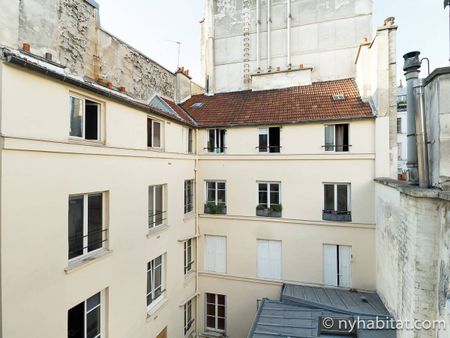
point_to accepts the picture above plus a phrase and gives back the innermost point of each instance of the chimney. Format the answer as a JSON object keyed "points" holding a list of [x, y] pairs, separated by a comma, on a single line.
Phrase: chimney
{"points": [[183, 85], [412, 70]]}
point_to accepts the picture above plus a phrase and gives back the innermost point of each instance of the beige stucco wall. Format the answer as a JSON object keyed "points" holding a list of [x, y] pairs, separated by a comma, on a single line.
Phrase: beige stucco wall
{"points": [[40, 168]]}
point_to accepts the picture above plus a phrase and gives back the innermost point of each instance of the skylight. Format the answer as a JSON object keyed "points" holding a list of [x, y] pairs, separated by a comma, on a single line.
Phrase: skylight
{"points": [[197, 105], [338, 97]]}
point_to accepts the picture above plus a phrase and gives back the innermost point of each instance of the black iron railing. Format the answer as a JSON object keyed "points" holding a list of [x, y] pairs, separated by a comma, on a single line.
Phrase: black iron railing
{"points": [[337, 147], [156, 219], [338, 216], [95, 240]]}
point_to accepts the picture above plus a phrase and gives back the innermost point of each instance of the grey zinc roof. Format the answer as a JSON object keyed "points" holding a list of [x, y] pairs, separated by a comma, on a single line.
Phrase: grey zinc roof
{"points": [[297, 314]]}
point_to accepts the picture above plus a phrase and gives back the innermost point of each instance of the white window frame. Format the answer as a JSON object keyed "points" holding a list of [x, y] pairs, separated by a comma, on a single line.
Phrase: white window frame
{"points": [[216, 304], [189, 245], [269, 203], [215, 238], [161, 133], [217, 143], [102, 314], [335, 184], [105, 230], [191, 144], [259, 264], [188, 316], [83, 131], [163, 203], [216, 201], [339, 273], [334, 145], [265, 131], [151, 270], [185, 204]]}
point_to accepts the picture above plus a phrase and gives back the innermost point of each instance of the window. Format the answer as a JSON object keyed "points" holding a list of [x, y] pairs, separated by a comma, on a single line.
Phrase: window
{"points": [[155, 281], [215, 254], [188, 196], [156, 212], [188, 255], [216, 140], [399, 125], [269, 259], [268, 194], [336, 137], [269, 140], [337, 202], [84, 118], [188, 318], [215, 197], [337, 265], [85, 320], [215, 312], [399, 151], [190, 141], [153, 133], [87, 232]]}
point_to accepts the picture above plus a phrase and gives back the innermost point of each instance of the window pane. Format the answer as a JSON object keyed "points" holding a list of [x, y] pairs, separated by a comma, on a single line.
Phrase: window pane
{"points": [[159, 204], [262, 193], [221, 194], [211, 322], [95, 222], [190, 140], [156, 134], [329, 138], [75, 327], [210, 298], [149, 132], [221, 144], [158, 276], [221, 324], [151, 207], [211, 310], [263, 138], [91, 120], [211, 193], [93, 323], [274, 139], [221, 311], [76, 117], [75, 226], [342, 197], [93, 302], [274, 194], [149, 282], [341, 136], [211, 140], [329, 196], [221, 299]]}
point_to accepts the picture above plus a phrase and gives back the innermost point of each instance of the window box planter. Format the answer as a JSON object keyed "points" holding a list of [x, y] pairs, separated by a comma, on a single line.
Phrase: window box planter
{"points": [[273, 211], [337, 216], [215, 209]]}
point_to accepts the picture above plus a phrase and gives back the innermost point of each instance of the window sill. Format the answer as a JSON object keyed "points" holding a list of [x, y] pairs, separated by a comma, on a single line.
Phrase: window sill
{"points": [[159, 149], [86, 260], [188, 216], [209, 333], [79, 140], [156, 230], [155, 308]]}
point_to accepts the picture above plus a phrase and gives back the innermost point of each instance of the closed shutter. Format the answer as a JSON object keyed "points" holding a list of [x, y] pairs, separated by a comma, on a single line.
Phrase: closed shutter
{"points": [[269, 259], [215, 258], [330, 265], [345, 266]]}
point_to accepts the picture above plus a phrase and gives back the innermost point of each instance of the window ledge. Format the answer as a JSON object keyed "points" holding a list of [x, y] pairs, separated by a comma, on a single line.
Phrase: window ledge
{"points": [[188, 216], [82, 141], [158, 149], [87, 260], [212, 334], [156, 230], [154, 309]]}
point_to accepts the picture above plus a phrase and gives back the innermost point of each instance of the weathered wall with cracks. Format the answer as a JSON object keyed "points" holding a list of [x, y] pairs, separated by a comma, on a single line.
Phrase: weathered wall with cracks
{"points": [[69, 30]]}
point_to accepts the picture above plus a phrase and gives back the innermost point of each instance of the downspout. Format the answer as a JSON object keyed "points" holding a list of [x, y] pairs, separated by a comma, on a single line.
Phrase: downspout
{"points": [[289, 18], [197, 235], [269, 29], [412, 69], [421, 135], [258, 33]]}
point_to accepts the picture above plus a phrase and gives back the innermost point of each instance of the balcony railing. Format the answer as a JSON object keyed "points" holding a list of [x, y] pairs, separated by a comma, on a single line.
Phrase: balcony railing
{"points": [[269, 149], [337, 147], [337, 216], [212, 208], [275, 210], [156, 219], [94, 240], [216, 150]]}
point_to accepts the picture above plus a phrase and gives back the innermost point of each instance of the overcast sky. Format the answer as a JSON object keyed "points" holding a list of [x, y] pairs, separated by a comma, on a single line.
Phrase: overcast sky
{"points": [[152, 25]]}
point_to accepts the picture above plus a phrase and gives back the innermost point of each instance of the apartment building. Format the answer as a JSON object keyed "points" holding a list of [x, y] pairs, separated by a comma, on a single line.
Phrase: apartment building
{"points": [[133, 205]]}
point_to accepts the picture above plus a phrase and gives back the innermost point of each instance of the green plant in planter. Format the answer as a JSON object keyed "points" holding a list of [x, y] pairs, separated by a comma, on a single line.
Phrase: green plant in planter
{"points": [[220, 208], [211, 208], [276, 207], [261, 207]]}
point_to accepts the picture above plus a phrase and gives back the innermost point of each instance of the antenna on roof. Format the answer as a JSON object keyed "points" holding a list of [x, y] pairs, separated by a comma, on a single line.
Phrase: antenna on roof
{"points": [[179, 49], [447, 4]]}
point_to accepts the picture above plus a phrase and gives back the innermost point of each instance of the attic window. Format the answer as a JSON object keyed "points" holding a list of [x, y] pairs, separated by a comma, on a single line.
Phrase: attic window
{"points": [[197, 105], [337, 326], [338, 97]]}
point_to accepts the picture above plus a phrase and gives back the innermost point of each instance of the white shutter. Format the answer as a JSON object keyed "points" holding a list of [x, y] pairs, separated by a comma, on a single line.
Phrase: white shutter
{"points": [[330, 264], [269, 259], [215, 254], [345, 266]]}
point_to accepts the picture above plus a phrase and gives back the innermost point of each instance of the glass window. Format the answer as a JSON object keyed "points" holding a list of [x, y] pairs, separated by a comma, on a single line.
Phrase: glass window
{"points": [[188, 196], [155, 281], [337, 197], [337, 137], [269, 140], [188, 256], [216, 140], [215, 192], [156, 212], [84, 118], [154, 134], [188, 318], [215, 312], [85, 319], [268, 194]]}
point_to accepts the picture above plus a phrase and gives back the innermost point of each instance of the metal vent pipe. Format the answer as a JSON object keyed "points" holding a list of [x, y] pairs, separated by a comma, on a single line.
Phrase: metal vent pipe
{"points": [[412, 70], [421, 134]]}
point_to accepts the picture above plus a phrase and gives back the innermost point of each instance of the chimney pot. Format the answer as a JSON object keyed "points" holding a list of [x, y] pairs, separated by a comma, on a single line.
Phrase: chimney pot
{"points": [[278, 69], [48, 56], [389, 21], [110, 85], [26, 47], [123, 89], [302, 66]]}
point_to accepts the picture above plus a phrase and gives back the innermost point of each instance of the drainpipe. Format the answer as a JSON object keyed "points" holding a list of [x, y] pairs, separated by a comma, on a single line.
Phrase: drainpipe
{"points": [[289, 18], [412, 70], [269, 29], [421, 134], [258, 33]]}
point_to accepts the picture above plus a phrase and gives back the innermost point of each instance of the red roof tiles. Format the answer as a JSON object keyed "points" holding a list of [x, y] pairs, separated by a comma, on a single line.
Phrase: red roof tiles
{"points": [[291, 105]]}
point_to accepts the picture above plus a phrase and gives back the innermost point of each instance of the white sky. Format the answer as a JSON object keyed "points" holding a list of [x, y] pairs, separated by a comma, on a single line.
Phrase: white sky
{"points": [[150, 25]]}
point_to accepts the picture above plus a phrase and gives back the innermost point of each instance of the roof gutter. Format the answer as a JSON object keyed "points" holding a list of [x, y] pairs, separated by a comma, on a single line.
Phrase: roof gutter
{"points": [[15, 60]]}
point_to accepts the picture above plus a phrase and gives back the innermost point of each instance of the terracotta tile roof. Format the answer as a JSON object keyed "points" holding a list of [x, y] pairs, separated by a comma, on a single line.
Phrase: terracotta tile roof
{"points": [[180, 111], [291, 105]]}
